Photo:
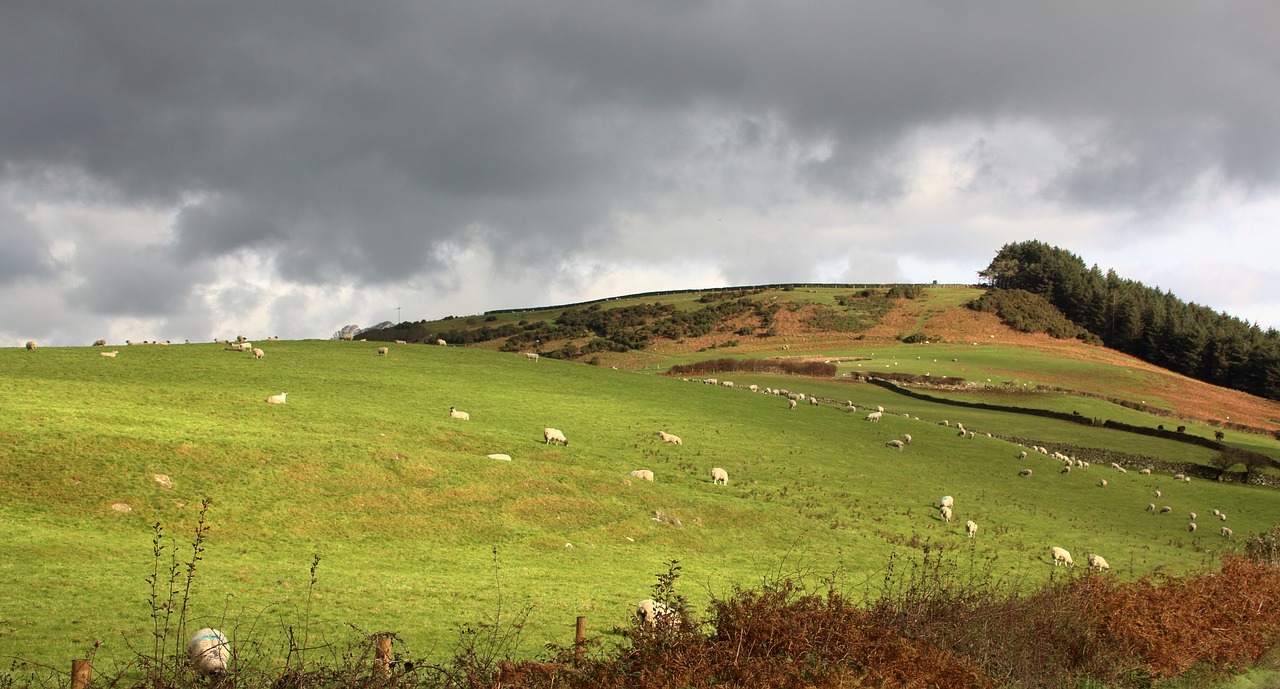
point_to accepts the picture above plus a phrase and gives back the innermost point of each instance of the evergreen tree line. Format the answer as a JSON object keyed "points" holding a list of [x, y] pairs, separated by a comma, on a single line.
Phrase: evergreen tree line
{"points": [[1144, 322]]}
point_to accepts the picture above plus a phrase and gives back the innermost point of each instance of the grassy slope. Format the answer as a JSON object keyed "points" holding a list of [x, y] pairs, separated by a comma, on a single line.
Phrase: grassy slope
{"points": [[363, 468]]}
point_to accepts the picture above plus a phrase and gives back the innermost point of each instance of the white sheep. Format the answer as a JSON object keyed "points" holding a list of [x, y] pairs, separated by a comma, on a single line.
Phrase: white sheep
{"points": [[668, 438], [277, 399], [1025, 473], [383, 351], [1216, 513], [650, 612], [1151, 507], [554, 435], [1022, 455], [209, 652], [791, 403], [531, 356], [1098, 562], [1222, 516], [112, 354], [896, 444], [1144, 471], [643, 474], [971, 528], [31, 344], [455, 413], [441, 342], [258, 353], [906, 438], [1191, 527], [1226, 532], [403, 342], [1159, 494], [1061, 556], [947, 501], [719, 476], [1103, 483], [1166, 509], [874, 416], [1193, 516], [945, 513]]}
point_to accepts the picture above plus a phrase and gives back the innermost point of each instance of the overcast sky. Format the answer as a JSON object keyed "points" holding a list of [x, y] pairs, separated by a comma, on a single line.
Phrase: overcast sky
{"points": [[191, 170]]}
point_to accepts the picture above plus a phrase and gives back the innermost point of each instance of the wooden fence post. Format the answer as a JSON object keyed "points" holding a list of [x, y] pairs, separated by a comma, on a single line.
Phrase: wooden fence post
{"points": [[382, 654], [580, 640], [81, 673]]}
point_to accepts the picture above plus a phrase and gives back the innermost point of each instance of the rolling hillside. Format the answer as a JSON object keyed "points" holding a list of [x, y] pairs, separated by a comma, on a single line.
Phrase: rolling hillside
{"points": [[105, 462]]}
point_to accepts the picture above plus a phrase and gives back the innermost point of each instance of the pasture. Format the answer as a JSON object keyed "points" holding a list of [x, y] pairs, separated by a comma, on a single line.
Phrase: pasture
{"points": [[363, 469]]}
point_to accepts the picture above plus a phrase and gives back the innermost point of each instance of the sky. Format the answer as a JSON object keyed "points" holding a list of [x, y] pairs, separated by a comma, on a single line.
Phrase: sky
{"points": [[190, 170]]}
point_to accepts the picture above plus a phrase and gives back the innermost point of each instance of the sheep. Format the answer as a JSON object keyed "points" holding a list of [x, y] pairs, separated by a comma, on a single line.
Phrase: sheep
{"points": [[1061, 556], [1102, 483], [906, 438], [971, 528], [31, 344], [874, 416], [455, 413], [1066, 469], [644, 474], [668, 438], [258, 353], [1193, 516], [1159, 494], [1222, 516], [112, 354], [944, 513], [1025, 473], [1226, 532], [947, 501], [1022, 455], [383, 351], [209, 652], [531, 356], [403, 342], [1144, 471], [1178, 477], [719, 476], [1118, 468], [554, 435], [99, 343], [1098, 562], [1151, 507], [895, 443], [650, 612], [442, 343], [1191, 527], [1166, 509], [791, 403], [277, 399], [1216, 513]]}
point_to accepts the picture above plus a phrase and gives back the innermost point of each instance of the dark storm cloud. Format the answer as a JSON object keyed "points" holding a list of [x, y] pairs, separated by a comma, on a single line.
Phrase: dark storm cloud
{"points": [[123, 280], [360, 143], [24, 253]]}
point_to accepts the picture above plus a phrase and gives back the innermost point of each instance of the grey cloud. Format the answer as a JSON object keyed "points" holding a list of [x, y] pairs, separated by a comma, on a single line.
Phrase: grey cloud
{"points": [[125, 280], [24, 252]]}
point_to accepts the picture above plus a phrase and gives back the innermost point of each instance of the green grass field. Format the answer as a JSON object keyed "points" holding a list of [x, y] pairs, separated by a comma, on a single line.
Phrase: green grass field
{"points": [[363, 468]]}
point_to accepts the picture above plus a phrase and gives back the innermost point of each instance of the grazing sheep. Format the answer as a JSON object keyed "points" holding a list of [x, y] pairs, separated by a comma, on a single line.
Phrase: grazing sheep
{"points": [[1179, 477], [442, 343], [1222, 516], [650, 612], [99, 343], [1159, 494], [554, 435], [906, 438], [668, 438], [1025, 473], [1226, 533], [792, 403], [111, 353], [874, 416], [209, 652], [1216, 513], [1193, 516], [1191, 527], [1144, 471], [719, 475], [1118, 468], [1022, 455], [1098, 562], [1066, 469], [277, 399], [971, 528], [947, 501], [403, 342], [31, 345], [1151, 507], [644, 474], [1166, 509], [531, 356], [945, 513], [455, 413], [258, 353], [1102, 483], [895, 443], [1061, 556], [383, 351]]}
